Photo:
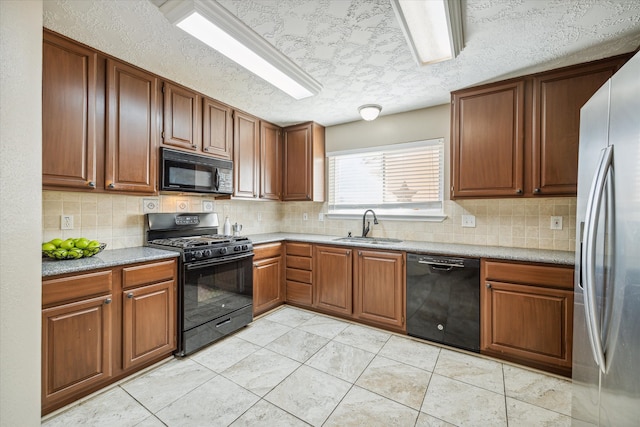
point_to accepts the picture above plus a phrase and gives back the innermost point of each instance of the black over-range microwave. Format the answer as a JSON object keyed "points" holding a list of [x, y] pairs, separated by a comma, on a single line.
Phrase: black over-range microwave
{"points": [[183, 171]]}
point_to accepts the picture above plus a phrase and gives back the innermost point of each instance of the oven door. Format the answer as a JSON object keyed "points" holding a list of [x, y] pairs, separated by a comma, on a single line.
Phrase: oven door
{"points": [[216, 288]]}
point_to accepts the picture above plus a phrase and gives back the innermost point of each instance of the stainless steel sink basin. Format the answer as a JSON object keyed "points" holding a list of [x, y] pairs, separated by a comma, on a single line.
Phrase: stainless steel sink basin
{"points": [[369, 240]]}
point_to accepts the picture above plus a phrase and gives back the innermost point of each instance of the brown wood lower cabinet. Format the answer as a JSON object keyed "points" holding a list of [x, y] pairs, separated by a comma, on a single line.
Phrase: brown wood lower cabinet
{"points": [[299, 273], [380, 287], [100, 326], [333, 279], [527, 314], [268, 286]]}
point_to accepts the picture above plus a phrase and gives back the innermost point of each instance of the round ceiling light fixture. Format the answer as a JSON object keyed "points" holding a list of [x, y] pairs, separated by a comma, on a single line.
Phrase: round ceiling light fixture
{"points": [[369, 111]]}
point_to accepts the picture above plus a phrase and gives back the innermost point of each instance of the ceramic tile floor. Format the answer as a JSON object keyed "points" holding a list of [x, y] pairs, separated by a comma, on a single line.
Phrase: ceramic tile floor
{"points": [[297, 368]]}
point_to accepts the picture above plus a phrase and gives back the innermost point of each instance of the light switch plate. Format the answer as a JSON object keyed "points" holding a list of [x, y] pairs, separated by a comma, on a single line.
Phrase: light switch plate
{"points": [[469, 221], [150, 205]]}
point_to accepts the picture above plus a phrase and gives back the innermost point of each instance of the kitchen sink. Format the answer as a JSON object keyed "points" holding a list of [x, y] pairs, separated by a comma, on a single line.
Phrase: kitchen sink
{"points": [[369, 240]]}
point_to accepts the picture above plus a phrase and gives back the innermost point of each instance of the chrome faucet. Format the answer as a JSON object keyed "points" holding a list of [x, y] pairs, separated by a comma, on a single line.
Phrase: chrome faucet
{"points": [[365, 230]]}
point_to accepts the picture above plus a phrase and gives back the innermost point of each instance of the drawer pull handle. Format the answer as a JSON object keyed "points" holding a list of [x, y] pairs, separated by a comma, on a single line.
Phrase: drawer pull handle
{"points": [[130, 295], [92, 184], [112, 185], [519, 191], [107, 301], [488, 285]]}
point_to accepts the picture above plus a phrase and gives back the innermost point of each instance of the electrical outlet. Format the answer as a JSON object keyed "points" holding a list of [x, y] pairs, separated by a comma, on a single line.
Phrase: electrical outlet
{"points": [[305, 216], [207, 205], [66, 222], [150, 205], [182, 206], [320, 216], [469, 221], [556, 223]]}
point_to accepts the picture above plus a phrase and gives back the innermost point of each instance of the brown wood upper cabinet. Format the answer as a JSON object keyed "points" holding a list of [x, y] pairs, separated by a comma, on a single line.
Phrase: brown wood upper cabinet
{"points": [[131, 117], [527, 314], [181, 117], [99, 121], [303, 164], [488, 141], [195, 122], [519, 138], [256, 154], [69, 134]]}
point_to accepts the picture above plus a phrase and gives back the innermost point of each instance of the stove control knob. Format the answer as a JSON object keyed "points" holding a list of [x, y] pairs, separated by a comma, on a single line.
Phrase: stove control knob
{"points": [[236, 248], [245, 247], [223, 251], [198, 254], [207, 253]]}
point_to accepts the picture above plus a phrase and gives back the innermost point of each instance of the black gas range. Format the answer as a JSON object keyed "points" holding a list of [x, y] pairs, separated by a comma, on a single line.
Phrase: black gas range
{"points": [[215, 293]]}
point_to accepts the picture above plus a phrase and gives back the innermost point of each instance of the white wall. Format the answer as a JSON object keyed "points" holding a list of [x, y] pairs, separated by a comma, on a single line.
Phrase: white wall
{"points": [[20, 211]]}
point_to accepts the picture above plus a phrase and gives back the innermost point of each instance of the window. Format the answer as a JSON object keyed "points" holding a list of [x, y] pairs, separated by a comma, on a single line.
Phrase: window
{"points": [[400, 180]]}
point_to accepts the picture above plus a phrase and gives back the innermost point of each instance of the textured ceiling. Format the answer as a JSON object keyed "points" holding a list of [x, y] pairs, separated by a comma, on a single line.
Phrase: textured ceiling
{"points": [[354, 48]]}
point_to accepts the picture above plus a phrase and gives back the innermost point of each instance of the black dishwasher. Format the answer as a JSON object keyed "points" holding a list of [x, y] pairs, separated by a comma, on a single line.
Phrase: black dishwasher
{"points": [[443, 300]]}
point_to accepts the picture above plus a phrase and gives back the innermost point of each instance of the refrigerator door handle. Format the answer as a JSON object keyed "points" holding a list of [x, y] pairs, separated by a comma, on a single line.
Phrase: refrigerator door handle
{"points": [[588, 255]]}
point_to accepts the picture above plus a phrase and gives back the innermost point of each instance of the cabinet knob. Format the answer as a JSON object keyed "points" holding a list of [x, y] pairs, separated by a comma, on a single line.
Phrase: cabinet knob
{"points": [[112, 185], [194, 146], [130, 295], [107, 301], [536, 190], [348, 252], [519, 191], [92, 184], [488, 285]]}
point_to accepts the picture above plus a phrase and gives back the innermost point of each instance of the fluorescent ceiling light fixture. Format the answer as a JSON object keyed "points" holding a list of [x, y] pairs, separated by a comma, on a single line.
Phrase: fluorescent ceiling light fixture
{"points": [[370, 111], [433, 28], [212, 24]]}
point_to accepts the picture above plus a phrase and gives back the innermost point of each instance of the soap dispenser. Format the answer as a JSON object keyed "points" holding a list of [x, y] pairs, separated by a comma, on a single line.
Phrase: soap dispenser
{"points": [[226, 229]]}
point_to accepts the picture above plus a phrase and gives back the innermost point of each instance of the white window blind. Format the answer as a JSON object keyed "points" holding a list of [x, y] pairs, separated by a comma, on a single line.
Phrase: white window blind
{"points": [[394, 180]]}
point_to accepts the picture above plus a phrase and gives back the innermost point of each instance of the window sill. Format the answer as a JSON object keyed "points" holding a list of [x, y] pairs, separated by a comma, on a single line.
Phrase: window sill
{"points": [[399, 217]]}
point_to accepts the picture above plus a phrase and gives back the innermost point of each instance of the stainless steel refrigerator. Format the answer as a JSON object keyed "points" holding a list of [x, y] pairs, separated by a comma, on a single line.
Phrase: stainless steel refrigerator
{"points": [[606, 328]]}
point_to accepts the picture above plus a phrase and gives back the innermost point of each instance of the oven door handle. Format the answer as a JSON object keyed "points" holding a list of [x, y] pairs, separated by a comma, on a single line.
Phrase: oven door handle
{"points": [[217, 261]]}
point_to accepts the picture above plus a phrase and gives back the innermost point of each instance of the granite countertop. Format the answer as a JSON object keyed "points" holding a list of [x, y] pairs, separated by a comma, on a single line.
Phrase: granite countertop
{"points": [[108, 258], [495, 252]]}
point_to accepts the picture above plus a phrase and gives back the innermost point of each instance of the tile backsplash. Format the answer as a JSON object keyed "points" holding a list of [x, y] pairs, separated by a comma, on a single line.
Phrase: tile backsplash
{"points": [[118, 220]]}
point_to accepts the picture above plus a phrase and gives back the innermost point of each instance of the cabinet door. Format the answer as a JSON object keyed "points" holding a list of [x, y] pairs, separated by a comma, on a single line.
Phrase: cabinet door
{"points": [[181, 118], [76, 347], [332, 279], [270, 155], [148, 322], [527, 323], [380, 284], [268, 286], [68, 114], [487, 141], [131, 129], [246, 150], [217, 129], [557, 99], [297, 173]]}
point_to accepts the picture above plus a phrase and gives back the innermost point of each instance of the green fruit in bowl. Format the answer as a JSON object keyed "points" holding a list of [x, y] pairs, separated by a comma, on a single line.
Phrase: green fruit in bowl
{"points": [[60, 253], [67, 244], [48, 247], [82, 243], [93, 244], [56, 242]]}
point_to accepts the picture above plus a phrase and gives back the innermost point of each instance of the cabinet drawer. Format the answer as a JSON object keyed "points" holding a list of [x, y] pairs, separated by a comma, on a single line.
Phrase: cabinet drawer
{"points": [[269, 250], [148, 273], [302, 263], [300, 249], [294, 274], [76, 287], [298, 292], [540, 275]]}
